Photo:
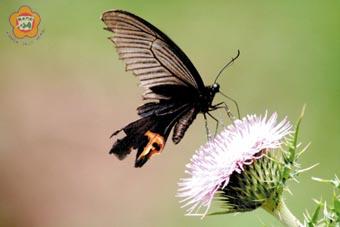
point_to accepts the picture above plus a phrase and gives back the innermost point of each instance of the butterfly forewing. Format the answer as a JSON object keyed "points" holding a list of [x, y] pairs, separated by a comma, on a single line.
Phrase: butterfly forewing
{"points": [[150, 54]]}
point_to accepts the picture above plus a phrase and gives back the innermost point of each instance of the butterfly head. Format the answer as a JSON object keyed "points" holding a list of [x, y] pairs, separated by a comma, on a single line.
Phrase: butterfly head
{"points": [[215, 88], [212, 90]]}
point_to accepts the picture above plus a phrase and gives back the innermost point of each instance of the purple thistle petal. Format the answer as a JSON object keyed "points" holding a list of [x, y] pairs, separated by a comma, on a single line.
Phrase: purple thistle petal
{"points": [[237, 145]]}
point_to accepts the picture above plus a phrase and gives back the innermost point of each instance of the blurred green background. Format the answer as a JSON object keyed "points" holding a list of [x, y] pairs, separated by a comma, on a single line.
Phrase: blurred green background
{"points": [[62, 96]]}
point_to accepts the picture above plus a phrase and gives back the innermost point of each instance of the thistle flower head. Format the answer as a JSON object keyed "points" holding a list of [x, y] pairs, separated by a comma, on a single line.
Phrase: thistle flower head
{"points": [[226, 165]]}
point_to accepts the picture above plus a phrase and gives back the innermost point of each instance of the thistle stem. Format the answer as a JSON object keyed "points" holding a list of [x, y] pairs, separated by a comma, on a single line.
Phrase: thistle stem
{"points": [[283, 214]]}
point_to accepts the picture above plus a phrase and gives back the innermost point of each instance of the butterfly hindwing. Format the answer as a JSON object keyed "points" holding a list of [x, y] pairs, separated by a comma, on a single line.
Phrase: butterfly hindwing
{"points": [[147, 135]]}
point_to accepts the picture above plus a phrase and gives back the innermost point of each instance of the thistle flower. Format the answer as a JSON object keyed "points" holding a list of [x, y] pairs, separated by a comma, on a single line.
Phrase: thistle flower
{"points": [[236, 167]]}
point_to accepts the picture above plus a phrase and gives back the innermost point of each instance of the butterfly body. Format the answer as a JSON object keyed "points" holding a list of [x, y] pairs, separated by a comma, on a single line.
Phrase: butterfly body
{"points": [[174, 91]]}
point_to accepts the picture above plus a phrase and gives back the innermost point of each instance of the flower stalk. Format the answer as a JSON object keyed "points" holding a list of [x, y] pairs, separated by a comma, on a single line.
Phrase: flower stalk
{"points": [[282, 213]]}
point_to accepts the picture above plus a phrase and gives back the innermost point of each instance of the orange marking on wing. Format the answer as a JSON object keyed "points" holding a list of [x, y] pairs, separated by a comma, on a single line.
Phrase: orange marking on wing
{"points": [[154, 146]]}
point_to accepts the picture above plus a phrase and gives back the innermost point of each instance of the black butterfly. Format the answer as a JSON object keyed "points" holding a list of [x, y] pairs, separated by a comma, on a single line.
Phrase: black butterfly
{"points": [[173, 87]]}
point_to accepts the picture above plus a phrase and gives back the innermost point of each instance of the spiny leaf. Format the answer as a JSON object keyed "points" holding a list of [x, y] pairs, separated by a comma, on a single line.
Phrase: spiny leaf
{"points": [[335, 182], [331, 212], [292, 149], [316, 213]]}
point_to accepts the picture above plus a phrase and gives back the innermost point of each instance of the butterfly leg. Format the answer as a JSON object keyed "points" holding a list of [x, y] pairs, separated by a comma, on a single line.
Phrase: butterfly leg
{"points": [[234, 101], [206, 126], [223, 105], [226, 108], [217, 122]]}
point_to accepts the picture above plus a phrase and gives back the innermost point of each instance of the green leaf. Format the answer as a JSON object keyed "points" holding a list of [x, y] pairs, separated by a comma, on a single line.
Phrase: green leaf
{"points": [[315, 215], [336, 204]]}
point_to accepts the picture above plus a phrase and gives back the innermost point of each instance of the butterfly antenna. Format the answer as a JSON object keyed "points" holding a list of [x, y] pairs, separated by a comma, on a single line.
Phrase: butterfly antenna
{"points": [[234, 101], [229, 63]]}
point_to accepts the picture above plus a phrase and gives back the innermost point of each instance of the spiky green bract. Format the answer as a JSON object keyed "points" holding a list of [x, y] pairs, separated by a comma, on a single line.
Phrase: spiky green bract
{"points": [[258, 184]]}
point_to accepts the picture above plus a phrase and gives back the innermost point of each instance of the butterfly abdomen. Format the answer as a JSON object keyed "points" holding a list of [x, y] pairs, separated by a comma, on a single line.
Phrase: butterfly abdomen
{"points": [[183, 124]]}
